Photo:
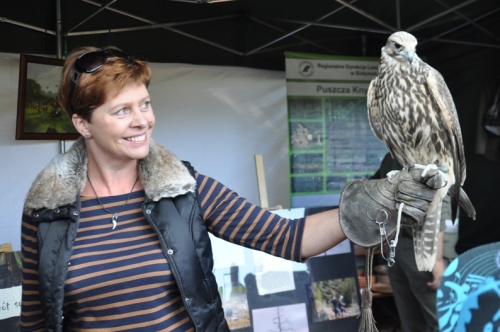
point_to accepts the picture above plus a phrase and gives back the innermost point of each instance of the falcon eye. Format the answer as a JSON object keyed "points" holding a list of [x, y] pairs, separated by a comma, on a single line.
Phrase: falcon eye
{"points": [[397, 45]]}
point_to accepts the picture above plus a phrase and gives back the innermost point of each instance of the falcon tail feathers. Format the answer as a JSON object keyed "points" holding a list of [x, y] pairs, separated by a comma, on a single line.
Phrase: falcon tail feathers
{"points": [[466, 204], [425, 237]]}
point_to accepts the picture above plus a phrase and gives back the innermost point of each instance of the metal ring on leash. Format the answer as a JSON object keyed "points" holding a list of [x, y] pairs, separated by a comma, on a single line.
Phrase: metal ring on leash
{"points": [[383, 235]]}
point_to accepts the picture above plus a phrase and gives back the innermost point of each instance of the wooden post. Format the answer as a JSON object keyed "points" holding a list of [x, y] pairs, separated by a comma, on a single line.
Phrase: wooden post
{"points": [[6, 247], [261, 183]]}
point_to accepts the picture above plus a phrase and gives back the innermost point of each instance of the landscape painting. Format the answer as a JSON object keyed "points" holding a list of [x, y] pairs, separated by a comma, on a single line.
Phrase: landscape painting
{"points": [[39, 117]]}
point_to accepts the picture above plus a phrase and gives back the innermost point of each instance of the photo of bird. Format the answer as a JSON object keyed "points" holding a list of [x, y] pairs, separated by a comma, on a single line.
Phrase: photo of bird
{"points": [[411, 110]]}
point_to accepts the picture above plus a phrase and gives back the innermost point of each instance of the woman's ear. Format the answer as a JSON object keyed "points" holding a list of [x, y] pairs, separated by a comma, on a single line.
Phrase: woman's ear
{"points": [[80, 125]]}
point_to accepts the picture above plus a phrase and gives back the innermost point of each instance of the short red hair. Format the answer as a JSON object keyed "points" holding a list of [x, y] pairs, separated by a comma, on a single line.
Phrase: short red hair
{"points": [[93, 89]]}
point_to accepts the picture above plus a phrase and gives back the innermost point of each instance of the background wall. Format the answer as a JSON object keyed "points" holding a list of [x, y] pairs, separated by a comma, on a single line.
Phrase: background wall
{"points": [[216, 117]]}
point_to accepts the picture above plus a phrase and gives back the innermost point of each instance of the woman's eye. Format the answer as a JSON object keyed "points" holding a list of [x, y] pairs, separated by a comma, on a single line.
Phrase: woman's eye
{"points": [[146, 104], [121, 111]]}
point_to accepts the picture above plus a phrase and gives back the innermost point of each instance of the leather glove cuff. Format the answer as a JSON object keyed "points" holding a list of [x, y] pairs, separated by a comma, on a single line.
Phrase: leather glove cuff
{"points": [[360, 209], [364, 205]]}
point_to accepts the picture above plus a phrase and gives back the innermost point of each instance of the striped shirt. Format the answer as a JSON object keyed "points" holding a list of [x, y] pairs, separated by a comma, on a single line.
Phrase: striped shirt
{"points": [[119, 280]]}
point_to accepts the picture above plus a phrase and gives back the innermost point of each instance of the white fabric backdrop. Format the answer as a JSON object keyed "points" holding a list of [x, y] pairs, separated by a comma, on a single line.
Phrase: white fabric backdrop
{"points": [[217, 118]]}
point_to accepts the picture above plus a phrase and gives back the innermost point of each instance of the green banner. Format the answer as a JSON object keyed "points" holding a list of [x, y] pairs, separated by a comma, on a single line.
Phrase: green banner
{"points": [[331, 142]]}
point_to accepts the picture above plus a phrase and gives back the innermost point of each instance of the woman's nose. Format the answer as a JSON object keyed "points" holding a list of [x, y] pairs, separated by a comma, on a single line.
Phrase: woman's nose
{"points": [[140, 118]]}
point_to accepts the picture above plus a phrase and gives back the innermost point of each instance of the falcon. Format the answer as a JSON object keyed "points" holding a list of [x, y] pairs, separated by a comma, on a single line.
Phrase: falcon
{"points": [[411, 110]]}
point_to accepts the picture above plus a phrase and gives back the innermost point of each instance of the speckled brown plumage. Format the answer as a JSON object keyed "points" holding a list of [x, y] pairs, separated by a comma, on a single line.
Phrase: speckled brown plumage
{"points": [[411, 109]]}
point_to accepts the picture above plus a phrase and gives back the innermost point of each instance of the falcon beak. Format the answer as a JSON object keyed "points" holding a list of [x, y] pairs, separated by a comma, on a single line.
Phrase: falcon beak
{"points": [[408, 55]]}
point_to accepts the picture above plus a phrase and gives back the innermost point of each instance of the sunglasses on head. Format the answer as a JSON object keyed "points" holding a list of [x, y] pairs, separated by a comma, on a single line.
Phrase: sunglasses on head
{"points": [[90, 62]]}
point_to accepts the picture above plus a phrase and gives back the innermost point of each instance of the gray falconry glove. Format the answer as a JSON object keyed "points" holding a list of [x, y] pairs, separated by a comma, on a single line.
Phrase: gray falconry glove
{"points": [[369, 208], [369, 213]]}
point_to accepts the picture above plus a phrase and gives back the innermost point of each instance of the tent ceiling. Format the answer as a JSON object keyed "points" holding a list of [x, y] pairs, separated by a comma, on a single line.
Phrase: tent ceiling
{"points": [[251, 33]]}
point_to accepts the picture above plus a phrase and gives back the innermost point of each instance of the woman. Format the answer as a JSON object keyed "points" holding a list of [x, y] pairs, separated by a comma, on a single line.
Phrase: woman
{"points": [[115, 231]]}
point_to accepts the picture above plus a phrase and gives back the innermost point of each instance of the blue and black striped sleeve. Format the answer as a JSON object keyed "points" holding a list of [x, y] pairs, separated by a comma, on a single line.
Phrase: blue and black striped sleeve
{"points": [[233, 218]]}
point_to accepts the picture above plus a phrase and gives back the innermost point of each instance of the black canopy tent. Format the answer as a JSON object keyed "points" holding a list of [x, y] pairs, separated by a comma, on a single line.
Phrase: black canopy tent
{"points": [[460, 38], [250, 33]]}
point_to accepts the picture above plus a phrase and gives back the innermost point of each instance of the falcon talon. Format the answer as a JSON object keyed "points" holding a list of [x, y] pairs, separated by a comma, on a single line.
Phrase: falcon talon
{"points": [[419, 166], [426, 169], [391, 174]]}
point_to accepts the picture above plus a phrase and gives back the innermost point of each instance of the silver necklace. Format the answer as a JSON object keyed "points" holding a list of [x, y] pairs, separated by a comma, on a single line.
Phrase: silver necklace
{"points": [[114, 218]]}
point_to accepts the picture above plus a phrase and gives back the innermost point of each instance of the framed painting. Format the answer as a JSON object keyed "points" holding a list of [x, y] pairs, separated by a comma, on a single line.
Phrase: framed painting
{"points": [[39, 117]]}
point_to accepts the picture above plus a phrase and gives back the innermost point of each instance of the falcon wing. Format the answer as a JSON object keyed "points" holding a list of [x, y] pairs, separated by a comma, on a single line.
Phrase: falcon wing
{"points": [[373, 111], [441, 94], [444, 100]]}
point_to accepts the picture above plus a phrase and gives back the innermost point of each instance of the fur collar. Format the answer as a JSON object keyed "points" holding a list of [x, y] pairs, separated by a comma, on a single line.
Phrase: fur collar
{"points": [[162, 175]]}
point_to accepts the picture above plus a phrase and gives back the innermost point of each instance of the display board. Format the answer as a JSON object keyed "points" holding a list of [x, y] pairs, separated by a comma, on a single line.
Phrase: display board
{"points": [[331, 142], [263, 293]]}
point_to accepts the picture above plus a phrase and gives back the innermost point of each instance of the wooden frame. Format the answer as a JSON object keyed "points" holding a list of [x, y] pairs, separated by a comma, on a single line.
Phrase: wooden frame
{"points": [[38, 115]]}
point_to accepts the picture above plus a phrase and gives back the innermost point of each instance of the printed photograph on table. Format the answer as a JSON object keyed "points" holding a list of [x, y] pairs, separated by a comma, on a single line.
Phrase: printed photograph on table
{"points": [[335, 299], [230, 267], [283, 318], [235, 304], [263, 293]]}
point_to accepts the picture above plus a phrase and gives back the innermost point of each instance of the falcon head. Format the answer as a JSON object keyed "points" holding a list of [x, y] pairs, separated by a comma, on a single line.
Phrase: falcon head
{"points": [[401, 46]]}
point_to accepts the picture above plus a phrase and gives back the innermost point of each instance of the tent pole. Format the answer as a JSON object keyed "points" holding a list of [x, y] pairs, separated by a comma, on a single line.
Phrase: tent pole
{"points": [[296, 30], [58, 29], [29, 26], [335, 26], [152, 26], [369, 16], [204, 41], [94, 14], [452, 41], [460, 26], [62, 143], [472, 22], [305, 41], [120, 12], [446, 12]]}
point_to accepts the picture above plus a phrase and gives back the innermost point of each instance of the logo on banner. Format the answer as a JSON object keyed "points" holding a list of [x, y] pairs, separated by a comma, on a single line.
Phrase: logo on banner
{"points": [[306, 68]]}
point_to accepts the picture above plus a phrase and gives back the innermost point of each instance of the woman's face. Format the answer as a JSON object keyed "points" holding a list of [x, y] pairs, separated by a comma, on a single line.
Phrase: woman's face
{"points": [[121, 128]]}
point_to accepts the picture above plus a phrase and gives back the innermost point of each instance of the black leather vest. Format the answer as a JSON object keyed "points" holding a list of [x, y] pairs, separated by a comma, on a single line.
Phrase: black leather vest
{"points": [[185, 242]]}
